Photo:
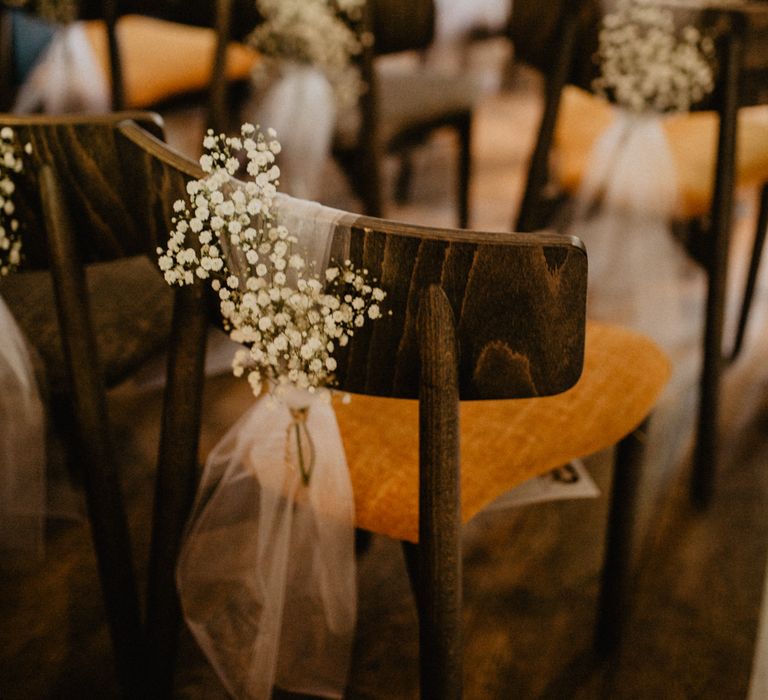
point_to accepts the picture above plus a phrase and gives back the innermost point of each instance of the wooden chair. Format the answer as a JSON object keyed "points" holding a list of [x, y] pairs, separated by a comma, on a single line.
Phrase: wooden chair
{"points": [[161, 53], [458, 330], [400, 111], [396, 112], [94, 312], [715, 150]]}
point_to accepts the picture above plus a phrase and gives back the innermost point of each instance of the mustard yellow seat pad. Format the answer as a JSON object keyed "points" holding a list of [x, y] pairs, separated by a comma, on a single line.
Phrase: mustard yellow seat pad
{"points": [[162, 59], [503, 443], [692, 137]]}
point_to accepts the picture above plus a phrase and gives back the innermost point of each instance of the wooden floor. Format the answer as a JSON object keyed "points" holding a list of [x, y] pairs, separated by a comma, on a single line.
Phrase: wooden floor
{"points": [[530, 574]]}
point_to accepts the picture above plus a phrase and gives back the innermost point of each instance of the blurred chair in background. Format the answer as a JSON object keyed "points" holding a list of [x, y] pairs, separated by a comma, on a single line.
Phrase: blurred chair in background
{"points": [[92, 304], [713, 151], [403, 107]]}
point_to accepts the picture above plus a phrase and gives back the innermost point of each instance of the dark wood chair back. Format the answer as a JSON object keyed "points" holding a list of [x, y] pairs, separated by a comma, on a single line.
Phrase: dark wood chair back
{"points": [[508, 309], [518, 339]]}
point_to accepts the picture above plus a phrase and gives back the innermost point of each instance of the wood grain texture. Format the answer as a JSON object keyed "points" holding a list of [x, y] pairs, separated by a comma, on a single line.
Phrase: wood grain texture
{"points": [[90, 168], [518, 303], [519, 300]]}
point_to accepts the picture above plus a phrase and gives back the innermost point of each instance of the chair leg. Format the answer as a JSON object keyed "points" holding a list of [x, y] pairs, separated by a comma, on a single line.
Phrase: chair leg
{"points": [[616, 578], [404, 177], [439, 566], [109, 526], [705, 455], [465, 165], [754, 267], [218, 96], [369, 189], [538, 171], [175, 481], [111, 15]]}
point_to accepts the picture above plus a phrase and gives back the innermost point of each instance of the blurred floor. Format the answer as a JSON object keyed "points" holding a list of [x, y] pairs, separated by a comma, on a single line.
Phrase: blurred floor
{"points": [[530, 574]]}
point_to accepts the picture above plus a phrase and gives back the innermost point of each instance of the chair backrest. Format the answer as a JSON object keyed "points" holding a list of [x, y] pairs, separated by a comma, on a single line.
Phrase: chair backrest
{"points": [[518, 300], [108, 204], [402, 25], [557, 35]]}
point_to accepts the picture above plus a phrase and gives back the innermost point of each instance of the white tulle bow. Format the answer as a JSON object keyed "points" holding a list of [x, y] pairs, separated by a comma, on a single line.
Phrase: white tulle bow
{"points": [[267, 573]]}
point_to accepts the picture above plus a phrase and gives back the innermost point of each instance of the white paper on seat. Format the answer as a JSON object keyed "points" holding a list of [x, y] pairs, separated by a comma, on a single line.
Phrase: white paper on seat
{"points": [[266, 575], [567, 482], [68, 78], [22, 446]]}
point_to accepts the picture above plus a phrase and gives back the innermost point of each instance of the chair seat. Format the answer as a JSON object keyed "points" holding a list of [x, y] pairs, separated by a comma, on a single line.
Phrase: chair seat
{"points": [[692, 138], [503, 443], [131, 307], [415, 100], [163, 59]]}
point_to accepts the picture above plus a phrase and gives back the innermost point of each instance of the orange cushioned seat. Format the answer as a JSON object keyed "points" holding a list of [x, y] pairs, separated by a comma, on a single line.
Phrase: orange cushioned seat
{"points": [[162, 59], [692, 137], [503, 443]]}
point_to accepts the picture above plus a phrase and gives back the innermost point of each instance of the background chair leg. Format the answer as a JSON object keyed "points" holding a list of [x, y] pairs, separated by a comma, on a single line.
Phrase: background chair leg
{"points": [[404, 177], [465, 166], [616, 579], [412, 566], [705, 455], [754, 267]]}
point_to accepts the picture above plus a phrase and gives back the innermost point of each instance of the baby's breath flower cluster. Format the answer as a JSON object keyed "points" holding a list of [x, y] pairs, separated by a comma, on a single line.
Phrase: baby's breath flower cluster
{"points": [[11, 163], [646, 64], [291, 317], [317, 32]]}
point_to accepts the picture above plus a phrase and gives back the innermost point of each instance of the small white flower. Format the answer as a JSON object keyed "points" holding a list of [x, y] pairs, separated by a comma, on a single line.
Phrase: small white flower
{"points": [[292, 328]]}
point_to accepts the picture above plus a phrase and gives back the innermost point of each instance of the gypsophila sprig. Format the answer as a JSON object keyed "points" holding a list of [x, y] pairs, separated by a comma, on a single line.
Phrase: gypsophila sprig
{"points": [[290, 316], [11, 163], [316, 32], [647, 64]]}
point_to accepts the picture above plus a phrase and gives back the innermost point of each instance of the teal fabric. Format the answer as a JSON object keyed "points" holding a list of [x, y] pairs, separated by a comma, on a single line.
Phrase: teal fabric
{"points": [[30, 37]]}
